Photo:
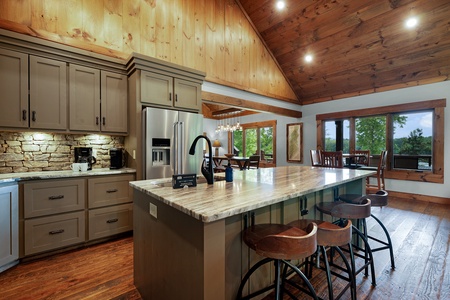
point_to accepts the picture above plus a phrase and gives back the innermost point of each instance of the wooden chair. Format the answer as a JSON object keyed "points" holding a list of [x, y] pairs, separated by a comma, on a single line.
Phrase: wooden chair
{"points": [[279, 243], [316, 158], [253, 162], [332, 159], [372, 187], [362, 161], [331, 236], [359, 211]]}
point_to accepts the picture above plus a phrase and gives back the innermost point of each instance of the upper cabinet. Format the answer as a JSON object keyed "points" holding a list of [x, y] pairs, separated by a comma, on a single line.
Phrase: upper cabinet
{"points": [[48, 93], [169, 91], [14, 89], [98, 100], [159, 83]]}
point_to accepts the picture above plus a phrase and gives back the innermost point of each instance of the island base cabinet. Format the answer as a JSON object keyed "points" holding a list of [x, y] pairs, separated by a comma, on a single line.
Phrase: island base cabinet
{"points": [[177, 256], [48, 233], [108, 221]]}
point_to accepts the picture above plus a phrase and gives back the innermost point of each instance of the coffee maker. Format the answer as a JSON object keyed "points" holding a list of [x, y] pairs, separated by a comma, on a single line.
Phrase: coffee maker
{"points": [[117, 158], [83, 155]]}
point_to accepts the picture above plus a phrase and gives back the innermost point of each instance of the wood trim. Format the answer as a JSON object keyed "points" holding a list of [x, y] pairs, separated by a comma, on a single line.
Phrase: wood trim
{"points": [[418, 197], [236, 102], [407, 107]]}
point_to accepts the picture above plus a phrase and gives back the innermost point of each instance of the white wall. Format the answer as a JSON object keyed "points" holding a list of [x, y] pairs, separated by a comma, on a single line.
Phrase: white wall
{"points": [[400, 96]]}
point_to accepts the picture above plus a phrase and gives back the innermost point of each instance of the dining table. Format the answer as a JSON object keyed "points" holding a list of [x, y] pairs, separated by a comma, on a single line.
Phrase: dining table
{"points": [[351, 160], [241, 161]]}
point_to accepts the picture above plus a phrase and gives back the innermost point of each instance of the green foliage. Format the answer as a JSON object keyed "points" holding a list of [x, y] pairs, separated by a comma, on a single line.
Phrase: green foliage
{"points": [[416, 143]]}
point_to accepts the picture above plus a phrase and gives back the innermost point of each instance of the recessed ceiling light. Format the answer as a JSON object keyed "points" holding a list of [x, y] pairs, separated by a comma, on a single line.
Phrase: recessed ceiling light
{"points": [[411, 22], [281, 4], [308, 58]]}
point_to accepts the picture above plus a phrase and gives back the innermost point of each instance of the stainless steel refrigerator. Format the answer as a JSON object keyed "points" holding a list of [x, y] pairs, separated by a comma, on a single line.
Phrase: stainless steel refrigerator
{"points": [[168, 134]]}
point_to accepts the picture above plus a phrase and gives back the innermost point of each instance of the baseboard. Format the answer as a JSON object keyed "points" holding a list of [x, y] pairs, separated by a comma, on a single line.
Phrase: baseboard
{"points": [[417, 197]]}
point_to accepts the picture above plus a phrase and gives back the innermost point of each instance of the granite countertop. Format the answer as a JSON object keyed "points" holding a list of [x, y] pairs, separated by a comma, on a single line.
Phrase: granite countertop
{"points": [[12, 177], [251, 189]]}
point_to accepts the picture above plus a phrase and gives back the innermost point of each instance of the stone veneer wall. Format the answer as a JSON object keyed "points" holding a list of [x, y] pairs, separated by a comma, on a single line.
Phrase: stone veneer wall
{"points": [[34, 152]]}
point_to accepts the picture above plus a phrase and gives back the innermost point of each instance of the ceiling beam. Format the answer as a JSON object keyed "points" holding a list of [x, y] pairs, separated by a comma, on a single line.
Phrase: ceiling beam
{"points": [[249, 105]]}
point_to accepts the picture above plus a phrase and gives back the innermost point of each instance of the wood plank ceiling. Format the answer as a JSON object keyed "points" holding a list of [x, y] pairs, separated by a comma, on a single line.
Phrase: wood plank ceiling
{"points": [[358, 47]]}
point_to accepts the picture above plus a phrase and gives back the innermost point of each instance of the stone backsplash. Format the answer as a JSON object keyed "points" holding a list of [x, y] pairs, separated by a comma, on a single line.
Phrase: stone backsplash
{"points": [[35, 152]]}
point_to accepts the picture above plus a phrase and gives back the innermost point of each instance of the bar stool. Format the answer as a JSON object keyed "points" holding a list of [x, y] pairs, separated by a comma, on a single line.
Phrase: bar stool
{"points": [[332, 236], [361, 211], [379, 199], [279, 243]]}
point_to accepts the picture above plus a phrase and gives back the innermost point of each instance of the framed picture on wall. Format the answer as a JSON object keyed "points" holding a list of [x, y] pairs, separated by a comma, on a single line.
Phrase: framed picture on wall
{"points": [[294, 142]]}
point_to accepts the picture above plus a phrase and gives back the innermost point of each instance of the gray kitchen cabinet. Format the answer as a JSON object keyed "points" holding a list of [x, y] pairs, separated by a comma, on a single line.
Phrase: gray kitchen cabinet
{"points": [[9, 226], [97, 100], [48, 94], [14, 89], [169, 91]]}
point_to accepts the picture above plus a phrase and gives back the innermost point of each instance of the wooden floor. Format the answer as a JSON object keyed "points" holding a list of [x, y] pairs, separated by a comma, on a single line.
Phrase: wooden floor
{"points": [[420, 234]]}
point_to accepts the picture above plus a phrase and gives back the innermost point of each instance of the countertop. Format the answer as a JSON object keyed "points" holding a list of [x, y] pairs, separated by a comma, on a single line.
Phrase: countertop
{"points": [[12, 177], [251, 189]]}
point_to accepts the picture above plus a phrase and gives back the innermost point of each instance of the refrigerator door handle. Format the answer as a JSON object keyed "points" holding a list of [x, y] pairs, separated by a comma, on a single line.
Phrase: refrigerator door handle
{"points": [[181, 146], [174, 158]]}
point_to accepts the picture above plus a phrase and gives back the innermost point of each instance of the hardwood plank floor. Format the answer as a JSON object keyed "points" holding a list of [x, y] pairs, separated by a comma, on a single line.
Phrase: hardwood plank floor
{"points": [[419, 230]]}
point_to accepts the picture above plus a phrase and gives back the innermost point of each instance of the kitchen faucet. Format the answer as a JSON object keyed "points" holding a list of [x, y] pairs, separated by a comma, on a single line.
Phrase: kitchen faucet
{"points": [[207, 172]]}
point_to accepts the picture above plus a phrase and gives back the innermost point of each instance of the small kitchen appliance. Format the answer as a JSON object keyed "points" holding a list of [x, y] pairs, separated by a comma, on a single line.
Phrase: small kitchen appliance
{"points": [[84, 155], [116, 158]]}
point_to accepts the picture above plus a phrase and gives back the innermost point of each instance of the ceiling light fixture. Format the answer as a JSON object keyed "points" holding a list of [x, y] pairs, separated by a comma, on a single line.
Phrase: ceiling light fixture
{"points": [[281, 5], [308, 58], [411, 22]]}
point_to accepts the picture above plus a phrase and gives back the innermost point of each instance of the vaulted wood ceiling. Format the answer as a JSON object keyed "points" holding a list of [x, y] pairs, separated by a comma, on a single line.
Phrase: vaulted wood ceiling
{"points": [[359, 46]]}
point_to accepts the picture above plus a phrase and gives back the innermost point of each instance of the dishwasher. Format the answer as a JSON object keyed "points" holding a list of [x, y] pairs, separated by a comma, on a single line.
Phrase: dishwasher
{"points": [[9, 225]]}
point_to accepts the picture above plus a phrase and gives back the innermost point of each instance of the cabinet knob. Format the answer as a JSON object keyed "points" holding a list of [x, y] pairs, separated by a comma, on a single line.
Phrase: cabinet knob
{"points": [[24, 114], [170, 96], [176, 97], [33, 116], [104, 121], [96, 120]]}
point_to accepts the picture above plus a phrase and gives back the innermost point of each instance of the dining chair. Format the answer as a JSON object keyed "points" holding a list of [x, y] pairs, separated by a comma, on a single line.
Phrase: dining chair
{"points": [[253, 162], [379, 185], [316, 158], [332, 159], [362, 160]]}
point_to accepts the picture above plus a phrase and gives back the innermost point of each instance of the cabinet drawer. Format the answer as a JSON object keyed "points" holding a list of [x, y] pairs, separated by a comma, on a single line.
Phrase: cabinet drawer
{"points": [[48, 233], [109, 190], [53, 197], [107, 221]]}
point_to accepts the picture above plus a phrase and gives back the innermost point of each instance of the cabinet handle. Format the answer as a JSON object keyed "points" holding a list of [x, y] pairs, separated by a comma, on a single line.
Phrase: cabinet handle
{"points": [[33, 116], [170, 96], [112, 191], [56, 197], [56, 231], [24, 114], [103, 123], [112, 221], [176, 97], [96, 120]]}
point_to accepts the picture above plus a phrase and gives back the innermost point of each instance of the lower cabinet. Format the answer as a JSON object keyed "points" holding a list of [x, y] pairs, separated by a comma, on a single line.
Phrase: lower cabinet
{"points": [[58, 213]]}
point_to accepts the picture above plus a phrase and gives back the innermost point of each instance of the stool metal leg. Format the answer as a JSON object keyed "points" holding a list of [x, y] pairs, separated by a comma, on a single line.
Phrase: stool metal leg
{"points": [[388, 244]]}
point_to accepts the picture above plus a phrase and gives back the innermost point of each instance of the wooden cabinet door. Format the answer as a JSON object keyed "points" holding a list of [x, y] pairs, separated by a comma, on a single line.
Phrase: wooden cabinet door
{"points": [[114, 102], [156, 89], [187, 94], [14, 89], [9, 224], [48, 93], [84, 98]]}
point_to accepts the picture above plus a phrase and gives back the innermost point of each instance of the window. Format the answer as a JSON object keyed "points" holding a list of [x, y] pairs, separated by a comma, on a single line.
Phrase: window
{"points": [[412, 133], [256, 139]]}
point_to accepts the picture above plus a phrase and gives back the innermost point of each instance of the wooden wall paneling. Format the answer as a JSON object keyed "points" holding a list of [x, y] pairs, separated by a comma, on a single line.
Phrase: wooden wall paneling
{"points": [[215, 42], [113, 26], [188, 48], [93, 22], [232, 44], [131, 26], [177, 13], [147, 34], [200, 35], [70, 18], [16, 11]]}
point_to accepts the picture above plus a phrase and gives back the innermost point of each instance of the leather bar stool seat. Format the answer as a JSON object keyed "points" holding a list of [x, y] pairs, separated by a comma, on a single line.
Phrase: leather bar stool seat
{"points": [[279, 243], [379, 199], [332, 236], [345, 211]]}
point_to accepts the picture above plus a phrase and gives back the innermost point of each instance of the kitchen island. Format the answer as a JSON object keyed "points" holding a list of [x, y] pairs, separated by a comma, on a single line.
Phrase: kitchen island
{"points": [[187, 242]]}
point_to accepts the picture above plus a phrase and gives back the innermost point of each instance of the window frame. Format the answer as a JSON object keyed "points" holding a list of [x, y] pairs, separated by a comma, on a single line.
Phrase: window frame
{"points": [[436, 175], [257, 125]]}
